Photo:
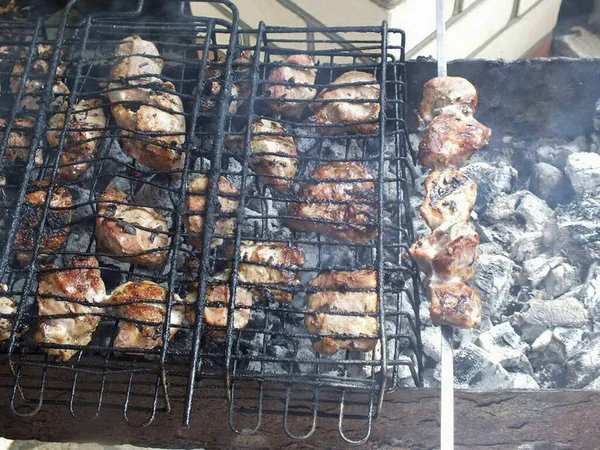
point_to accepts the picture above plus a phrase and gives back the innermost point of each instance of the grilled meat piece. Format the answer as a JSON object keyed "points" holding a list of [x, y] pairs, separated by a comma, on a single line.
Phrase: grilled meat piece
{"points": [[19, 141], [34, 85], [451, 139], [79, 282], [137, 63], [154, 125], [8, 305], [273, 153], [449, 198], [270, 264], [85, 127], [149, 109], [130, 233], [57, 225], [450, 252], [217, 305], [240, 89], [454, 95], [144, 301], [336, 204], [195, 204], [289, 71], [454, 303], [343, 111], [332, 295]]}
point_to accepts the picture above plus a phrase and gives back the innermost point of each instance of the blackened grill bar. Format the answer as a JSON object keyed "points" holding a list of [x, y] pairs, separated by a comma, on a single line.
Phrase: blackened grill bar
{"points": [[273, 351]]}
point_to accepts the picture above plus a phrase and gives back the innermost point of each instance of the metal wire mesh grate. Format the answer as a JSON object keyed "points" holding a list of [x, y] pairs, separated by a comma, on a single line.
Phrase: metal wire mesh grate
{"points": [[269, 364]]}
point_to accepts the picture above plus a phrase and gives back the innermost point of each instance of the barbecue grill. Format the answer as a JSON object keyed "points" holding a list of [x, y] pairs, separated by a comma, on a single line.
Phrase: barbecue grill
{"points": [[267, 367]]}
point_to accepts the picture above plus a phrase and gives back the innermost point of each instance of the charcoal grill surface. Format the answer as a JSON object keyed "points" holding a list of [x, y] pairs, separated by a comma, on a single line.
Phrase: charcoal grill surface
{"points": [[266, 367]]}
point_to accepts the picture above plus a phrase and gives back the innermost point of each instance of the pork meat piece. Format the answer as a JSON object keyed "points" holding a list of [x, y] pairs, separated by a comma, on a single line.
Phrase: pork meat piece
{"points": [[298, 71], [358, 117], [450, 252], [217, 305], [128, 232], [137, 62], [340, 202], [271, 265], [79, 282], [19, 141], [352, 295], [144, 301], [272, 153], [454, 95], [454, 303], [8, 306], [86, 125], [195, 205], [450, 140], [57, 225], [449, 198]]}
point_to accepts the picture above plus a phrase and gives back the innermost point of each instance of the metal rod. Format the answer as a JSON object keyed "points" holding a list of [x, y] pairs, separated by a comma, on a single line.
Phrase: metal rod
{"points": [[447, 360]]}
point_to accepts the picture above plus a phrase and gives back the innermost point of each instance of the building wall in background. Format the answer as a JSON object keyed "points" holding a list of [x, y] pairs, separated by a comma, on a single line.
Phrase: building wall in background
{"points": [[507, 29]]}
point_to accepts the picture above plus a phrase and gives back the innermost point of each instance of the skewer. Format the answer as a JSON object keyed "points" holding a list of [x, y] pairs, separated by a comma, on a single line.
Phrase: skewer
{"points": [[447, 354]]}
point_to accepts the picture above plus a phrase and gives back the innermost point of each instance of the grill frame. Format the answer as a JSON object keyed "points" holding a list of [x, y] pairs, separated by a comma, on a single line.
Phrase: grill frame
{"points": [[194, 375]]}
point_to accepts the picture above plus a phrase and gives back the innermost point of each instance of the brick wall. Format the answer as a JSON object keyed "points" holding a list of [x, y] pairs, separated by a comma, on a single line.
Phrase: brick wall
{"points": [[507, 29]]}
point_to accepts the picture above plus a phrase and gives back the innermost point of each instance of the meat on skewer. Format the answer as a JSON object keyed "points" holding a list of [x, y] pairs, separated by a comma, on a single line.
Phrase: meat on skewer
{"points": [[195, 205], [302, 81], [80, 282], [449, 252], [273, 153], [454, 303], [85, 127], [350, 296], [340, 202], [19, 141], [344, 110], [451, 139], [449, 198], [454, 95], [144, 301], [271, 265], [130, 233], [57, 225]]}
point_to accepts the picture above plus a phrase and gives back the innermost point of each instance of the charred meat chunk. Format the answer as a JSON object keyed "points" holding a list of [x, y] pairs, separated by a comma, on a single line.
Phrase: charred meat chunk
{"points": [[451, 139], [454, 95], [86, 124], [77, 291], [454, 303], [57, 224], [297, 75], [343, 303], [269, 265], [352, 107], [449, 198], [142, 308], [273, 153], [19, 141], [340, 202], [449, 252], [195, 205], [8, 307], [128, 232]]}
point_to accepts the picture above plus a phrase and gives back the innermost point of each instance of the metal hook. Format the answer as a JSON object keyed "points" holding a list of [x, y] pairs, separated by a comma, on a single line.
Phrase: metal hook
{"points": [[247, 431], [341, 420], [315, 410], [16, 388], [74, 389], [154, 403]]}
